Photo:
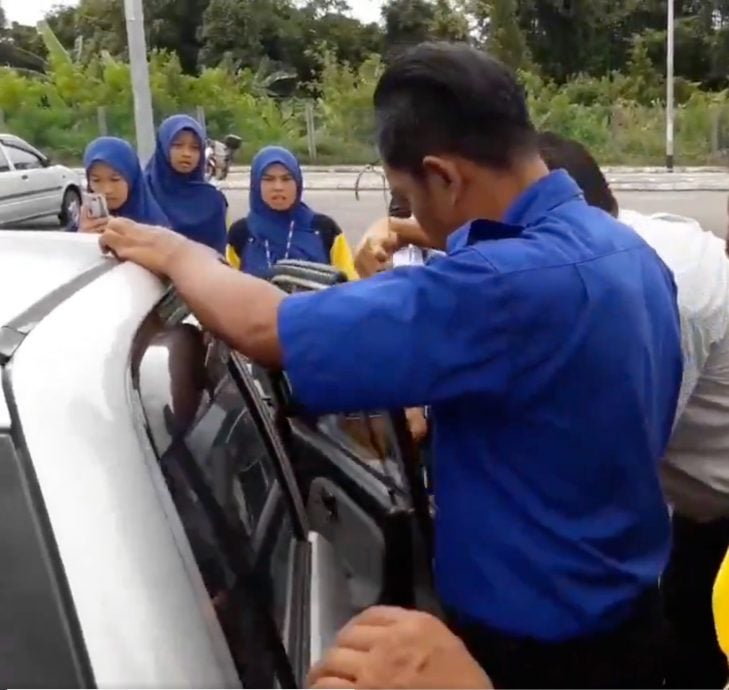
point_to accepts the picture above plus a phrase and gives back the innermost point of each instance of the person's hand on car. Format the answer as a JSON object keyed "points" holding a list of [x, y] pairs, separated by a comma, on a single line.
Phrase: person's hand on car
{"points": [[386, 647], [375, 250], [87, 223], [150, 247]]}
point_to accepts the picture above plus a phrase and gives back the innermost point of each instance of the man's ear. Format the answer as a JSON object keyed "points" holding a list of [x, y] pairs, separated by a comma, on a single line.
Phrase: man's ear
{"points": [[444, 175]]}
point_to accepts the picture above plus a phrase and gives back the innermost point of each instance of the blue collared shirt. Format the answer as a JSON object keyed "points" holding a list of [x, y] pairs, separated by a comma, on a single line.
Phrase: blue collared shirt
{"points": [[548, 347]]}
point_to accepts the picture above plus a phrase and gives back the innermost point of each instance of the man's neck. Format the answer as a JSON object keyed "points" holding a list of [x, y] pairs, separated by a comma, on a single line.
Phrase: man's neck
{"points": [[505, 187]]}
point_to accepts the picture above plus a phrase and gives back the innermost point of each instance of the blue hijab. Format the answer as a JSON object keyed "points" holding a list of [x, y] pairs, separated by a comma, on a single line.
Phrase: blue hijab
{"points": [[195, 208], [277, 235], [118, 154]]}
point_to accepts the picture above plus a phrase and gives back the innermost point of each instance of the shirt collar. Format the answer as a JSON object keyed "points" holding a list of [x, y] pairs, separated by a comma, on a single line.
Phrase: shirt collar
{"points": [[531, 205]]}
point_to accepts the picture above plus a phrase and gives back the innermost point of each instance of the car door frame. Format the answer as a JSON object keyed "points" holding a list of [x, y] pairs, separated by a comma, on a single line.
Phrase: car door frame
{"points": [[316, 606], [319, 604], [299, 619]]}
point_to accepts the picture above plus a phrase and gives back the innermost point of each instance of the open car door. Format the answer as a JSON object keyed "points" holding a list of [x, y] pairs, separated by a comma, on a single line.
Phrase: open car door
{"points": [[364, 496]]}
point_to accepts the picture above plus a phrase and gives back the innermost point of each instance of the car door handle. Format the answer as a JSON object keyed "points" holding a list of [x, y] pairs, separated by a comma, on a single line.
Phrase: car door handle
{"points": [[329, 503], [24, 177]]}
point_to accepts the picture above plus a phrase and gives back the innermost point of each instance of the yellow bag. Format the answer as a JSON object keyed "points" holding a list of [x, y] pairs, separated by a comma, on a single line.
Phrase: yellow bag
{"points": [[720, 601]]}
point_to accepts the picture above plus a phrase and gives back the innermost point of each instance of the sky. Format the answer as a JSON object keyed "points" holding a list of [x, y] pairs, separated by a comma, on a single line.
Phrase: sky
{"points": [[31, 11]]}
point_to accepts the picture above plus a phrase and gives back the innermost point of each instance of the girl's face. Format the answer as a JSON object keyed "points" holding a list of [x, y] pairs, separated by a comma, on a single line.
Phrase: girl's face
{"points": [[185, 152], [278, 187], [103, 179]]}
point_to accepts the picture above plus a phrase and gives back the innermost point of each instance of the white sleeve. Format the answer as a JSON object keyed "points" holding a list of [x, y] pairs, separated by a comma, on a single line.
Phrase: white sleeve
{"points": [[701, 271], [703, 300]]}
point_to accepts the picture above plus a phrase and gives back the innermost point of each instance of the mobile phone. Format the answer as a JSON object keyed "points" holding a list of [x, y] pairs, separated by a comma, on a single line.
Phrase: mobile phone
{"points": [[96, 205]]}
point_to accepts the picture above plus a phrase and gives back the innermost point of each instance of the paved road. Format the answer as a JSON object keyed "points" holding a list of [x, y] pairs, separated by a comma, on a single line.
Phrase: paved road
{"points": [[709, 208]]}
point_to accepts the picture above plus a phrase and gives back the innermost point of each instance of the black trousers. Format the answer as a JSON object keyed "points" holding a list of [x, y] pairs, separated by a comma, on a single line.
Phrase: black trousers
{"points": [[631, 656], [695, 660]]}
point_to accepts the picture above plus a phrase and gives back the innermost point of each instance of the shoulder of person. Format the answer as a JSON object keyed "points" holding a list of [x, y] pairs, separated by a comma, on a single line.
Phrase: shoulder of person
{"points": [[221, 195], [690, 253], [238, 234], [327, 228]]}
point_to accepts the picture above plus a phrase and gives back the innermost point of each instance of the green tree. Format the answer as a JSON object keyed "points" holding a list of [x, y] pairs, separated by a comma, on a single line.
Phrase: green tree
{"points": [[101, 24], [450, 22], [504, 38], [407, 22], [284, 34], [173, 25]]}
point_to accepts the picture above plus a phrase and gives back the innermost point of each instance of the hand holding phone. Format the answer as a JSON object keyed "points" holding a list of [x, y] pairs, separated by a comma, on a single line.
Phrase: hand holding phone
{"points": [[95, 205], [94, 213]]}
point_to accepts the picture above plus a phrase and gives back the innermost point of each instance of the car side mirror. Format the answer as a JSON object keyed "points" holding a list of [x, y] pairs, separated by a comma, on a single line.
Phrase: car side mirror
{"points": [[299, 276]]}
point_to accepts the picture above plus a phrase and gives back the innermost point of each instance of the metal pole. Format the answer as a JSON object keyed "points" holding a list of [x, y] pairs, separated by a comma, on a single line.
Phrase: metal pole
{"points": [[669, 86], [143, 115], [200, 116], [101, 119]]}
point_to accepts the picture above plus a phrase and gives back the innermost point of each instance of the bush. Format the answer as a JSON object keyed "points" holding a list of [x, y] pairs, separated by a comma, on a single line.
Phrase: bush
{"points": [[620, 117]]}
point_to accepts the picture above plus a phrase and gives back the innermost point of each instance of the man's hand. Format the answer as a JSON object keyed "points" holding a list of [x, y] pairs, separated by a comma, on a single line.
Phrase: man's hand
{"points": [[150, 247], [393, 648], [417, 423], [375, 250]]}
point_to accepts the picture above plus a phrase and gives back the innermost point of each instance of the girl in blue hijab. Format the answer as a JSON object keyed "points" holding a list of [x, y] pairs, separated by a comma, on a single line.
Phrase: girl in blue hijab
{"points": [[113, 170], [280, 225], [176, 176]]}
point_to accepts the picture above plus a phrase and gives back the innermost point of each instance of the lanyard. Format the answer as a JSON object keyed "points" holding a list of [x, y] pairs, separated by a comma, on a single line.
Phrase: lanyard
{"points": [[288, 246]]}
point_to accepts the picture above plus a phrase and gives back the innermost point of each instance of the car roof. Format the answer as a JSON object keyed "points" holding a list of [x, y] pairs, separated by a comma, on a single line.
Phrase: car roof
{"points": [[36, 264]]}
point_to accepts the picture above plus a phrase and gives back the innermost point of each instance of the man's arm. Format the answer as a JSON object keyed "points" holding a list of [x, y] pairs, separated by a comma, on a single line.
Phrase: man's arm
{"points": [[409, 231], [404, 338], [383, 239], [239, 308]]}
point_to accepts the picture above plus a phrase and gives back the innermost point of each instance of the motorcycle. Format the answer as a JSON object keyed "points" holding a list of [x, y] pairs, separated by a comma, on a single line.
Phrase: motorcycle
{"points": [[219, 157]]}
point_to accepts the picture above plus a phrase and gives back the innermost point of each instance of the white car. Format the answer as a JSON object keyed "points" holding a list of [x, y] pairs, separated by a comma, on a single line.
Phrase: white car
{"points": [[159, 527], [31, 187]]}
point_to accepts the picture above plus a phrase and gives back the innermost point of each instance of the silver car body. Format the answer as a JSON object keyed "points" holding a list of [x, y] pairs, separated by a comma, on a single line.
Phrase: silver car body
{"points": [[120, 542], [30, 186], [68, 321]]}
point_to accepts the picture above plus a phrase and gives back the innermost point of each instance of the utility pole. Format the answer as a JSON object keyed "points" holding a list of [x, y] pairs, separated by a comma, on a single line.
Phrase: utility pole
{"points": [[139, 68], [669, 86]]}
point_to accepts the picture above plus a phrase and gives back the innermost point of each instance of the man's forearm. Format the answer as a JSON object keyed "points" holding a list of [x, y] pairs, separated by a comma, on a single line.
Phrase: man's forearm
{"points": [[239, 308], [409, 232]]}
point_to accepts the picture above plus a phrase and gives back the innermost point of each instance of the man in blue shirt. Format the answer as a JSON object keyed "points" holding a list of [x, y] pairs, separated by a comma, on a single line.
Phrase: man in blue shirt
{"points": [[546, 344]]}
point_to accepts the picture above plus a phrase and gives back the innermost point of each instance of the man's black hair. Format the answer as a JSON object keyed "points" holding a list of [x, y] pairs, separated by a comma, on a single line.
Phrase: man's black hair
{"points": [[568, 154], [444, 98]]}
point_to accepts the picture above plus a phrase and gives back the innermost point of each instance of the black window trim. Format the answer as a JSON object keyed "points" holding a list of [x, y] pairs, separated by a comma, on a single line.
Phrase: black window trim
{"points": [[171, 311], [8, 146], [274, 445]]}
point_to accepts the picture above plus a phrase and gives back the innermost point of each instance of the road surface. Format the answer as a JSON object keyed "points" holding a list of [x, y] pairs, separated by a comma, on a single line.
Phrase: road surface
{"points": [[709, 208]]}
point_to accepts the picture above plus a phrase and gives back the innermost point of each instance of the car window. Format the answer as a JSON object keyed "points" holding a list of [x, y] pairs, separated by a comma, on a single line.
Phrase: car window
{"points": [[4, 164], [370, 438], [203, 431], [22, 159]]}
